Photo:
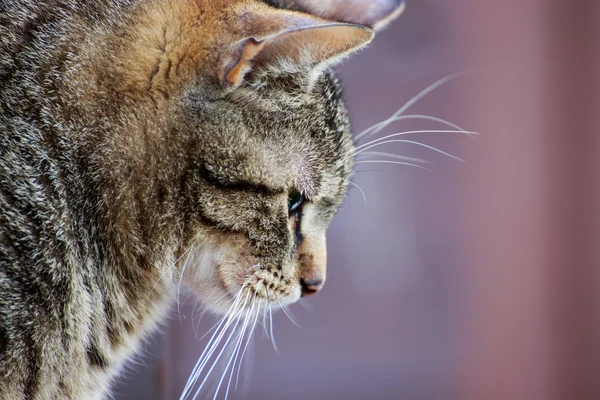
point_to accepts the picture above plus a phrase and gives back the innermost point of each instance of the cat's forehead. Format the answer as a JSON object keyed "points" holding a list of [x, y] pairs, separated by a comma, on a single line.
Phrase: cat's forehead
{"points": [[275, 164], [272, 142]]}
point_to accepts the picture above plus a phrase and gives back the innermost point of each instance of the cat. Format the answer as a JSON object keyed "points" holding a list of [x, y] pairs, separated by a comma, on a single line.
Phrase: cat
{"points": [[148, 142]]}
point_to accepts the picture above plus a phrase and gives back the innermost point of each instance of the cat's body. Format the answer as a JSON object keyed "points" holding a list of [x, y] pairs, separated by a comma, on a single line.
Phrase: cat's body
{"points": [[71, 307], [134, 134]]}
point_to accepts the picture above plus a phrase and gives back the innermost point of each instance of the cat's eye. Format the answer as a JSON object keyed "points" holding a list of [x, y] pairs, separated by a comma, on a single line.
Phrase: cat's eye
{"points": [[295, 200]]}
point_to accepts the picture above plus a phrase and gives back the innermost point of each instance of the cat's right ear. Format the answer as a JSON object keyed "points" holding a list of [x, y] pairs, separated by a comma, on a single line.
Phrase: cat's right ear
{"points": [[289, 41]]}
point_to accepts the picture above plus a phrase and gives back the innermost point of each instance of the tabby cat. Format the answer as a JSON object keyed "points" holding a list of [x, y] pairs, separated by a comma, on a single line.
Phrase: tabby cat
{"points": [[148, 142]]}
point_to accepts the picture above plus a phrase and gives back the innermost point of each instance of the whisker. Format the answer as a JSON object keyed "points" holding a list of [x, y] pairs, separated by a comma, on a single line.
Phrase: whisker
{"points": [[201, 360], [238, 348], [367, 145], [393, 162], [235, 352], [367, 132], [246, 347], [219, 299], [240, 343], [393, 156], [235, 314], [231, 316], [421, 95], [285, 312], [215, 325], [216, 360], [271, 322], [179, 284], [228, 315], [264, 323], [233, 357], [172, 266], [193, 376], [362, 171], [358, 187], [416, 144]]}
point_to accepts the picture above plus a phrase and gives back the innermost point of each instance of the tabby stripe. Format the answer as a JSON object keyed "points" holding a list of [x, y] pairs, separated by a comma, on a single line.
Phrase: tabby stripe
{"points": [[33, 377], [95, 358]]}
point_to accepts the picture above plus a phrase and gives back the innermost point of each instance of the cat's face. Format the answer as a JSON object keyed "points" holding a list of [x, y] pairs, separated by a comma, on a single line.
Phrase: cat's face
{"points": [[270, 142], [272, 171], [261, 131]]}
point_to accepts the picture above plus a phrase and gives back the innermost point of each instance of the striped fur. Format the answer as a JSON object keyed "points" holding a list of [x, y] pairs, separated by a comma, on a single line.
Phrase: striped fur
{"points": [[120, 150]]}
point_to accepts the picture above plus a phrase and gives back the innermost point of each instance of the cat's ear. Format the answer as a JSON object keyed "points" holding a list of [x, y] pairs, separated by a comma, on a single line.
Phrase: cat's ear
{"points": [[290, 41], [373, 13]]}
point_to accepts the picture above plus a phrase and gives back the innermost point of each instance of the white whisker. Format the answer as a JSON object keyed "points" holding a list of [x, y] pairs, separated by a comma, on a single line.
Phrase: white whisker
{"points": [[420, 96], [180, 280], [369, 131], [235, 353], [285, 311], [231, 316], [432, 148], [218, 357], [393, 162], [264, 323], [215, 325], [219, 299], [271, 322], [196, 371], [368, 145], [246, 347], [192, 379], [416, 144], [227, 316], [358, 187], [393, 156], [171, 267]]}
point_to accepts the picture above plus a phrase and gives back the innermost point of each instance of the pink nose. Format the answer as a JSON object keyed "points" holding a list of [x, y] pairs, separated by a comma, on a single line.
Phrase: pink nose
{"points": [[311, 287]]}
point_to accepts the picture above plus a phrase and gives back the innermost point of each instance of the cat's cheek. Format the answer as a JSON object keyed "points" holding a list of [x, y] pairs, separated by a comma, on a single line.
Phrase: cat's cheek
{"points": [[200, 273], [217, 270]]}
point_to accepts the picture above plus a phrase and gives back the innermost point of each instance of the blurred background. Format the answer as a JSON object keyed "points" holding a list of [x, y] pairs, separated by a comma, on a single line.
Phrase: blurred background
{"points": [[479, 280]]}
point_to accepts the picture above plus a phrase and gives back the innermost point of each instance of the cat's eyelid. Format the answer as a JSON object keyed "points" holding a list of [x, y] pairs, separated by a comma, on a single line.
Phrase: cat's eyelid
{"points": [[252, 186], [241, 185]]}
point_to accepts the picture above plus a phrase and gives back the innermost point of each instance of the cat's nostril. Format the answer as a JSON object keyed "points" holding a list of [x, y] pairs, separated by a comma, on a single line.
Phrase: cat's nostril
{"points": [[311, 287]]}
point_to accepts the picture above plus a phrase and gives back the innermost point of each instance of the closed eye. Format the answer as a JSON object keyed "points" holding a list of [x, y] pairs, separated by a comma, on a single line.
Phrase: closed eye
{"points": [[241, 185]]}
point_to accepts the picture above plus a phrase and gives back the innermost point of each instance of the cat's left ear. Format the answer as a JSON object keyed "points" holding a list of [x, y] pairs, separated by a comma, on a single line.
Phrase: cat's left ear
{"points": [[373, 13], [290, 41]]}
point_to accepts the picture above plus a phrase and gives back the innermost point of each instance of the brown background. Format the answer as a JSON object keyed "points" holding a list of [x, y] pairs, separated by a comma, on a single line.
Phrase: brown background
{"points": [[478, 281]]}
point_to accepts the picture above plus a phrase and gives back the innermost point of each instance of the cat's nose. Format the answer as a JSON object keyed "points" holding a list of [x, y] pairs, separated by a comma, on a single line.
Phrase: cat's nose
{"points": [[311, 286]]}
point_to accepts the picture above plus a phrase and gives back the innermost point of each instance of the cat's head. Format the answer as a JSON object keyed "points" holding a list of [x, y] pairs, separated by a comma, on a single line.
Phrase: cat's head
{"points": [[267, 140]]}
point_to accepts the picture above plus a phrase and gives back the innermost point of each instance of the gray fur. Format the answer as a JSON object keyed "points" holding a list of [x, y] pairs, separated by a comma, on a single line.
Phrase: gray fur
{"points": [[102, 192]]}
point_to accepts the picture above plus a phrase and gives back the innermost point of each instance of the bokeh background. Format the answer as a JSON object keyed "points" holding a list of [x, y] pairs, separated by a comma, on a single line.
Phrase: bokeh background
{"points": [[479, 280]]}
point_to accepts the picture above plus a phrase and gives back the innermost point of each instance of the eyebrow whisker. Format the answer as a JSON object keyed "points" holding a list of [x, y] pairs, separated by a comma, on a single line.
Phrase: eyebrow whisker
{"points": [[370, 131], [358, 187], [410, 142], [417, 98], [365, 154], [393, 162]]}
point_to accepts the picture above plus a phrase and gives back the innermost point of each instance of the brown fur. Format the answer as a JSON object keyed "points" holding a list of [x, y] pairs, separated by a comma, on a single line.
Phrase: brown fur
{"points": [[145, 141]]}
